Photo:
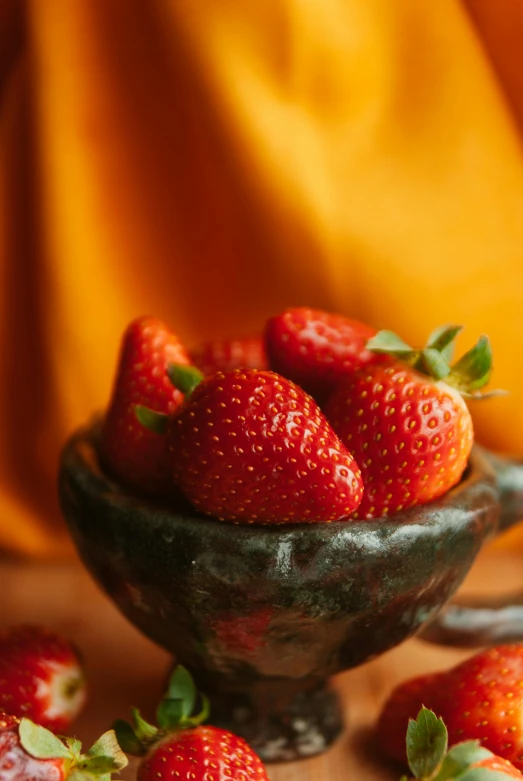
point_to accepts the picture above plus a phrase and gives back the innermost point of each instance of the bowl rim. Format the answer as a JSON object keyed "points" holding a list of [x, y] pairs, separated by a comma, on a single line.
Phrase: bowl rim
{"points": [[79, 459]]}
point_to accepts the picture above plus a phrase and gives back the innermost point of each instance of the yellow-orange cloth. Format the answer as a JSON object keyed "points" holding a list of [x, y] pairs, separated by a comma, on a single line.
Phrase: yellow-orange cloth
{"points": [[213, 162]]}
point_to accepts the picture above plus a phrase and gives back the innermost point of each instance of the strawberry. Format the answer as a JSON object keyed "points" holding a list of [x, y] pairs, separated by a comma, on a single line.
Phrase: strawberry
{"points": [[484, 700], [131, 452], [29, 752], [182, 747], [41, 676], [226, 354], [403, 703], [316, 349], [426, 748], [480, 699], [252, 447], [202, 754], [410, 431]]}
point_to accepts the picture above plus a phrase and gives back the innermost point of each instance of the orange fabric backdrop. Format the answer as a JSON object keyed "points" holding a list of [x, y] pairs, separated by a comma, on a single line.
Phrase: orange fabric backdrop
{"points": [[212, 162]]}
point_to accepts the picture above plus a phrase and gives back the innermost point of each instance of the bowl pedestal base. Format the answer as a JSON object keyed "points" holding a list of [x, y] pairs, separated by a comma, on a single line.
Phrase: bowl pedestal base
{"points": [[282, 720]]}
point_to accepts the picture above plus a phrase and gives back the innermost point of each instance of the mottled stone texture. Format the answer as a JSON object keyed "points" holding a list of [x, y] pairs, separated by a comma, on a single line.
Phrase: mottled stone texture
{"points": [[264, 615]]}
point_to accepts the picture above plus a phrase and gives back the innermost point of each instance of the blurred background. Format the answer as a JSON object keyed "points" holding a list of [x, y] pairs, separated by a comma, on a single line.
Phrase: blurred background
{"points": [[214, 162]]}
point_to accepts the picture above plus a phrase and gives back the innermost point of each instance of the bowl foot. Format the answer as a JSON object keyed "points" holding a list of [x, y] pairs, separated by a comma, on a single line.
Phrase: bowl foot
{"points": [[282, 720]]}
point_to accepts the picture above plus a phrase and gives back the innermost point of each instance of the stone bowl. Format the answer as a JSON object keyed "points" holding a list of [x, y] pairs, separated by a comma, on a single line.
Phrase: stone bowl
{"points": [[264, 615]]}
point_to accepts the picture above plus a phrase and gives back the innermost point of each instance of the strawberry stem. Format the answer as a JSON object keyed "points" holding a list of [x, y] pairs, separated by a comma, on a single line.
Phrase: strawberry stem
{"points": [[470, 373], [173, 713]]}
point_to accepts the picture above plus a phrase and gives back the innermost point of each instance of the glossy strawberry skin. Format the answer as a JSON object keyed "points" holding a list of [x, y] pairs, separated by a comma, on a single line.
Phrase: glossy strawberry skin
{"points": [[202, 754], [226, 354], [252, 447], [133, 454], [403, 704], [411, 436], [484, 701], [316, 349], [41, 677], [16, 764]]}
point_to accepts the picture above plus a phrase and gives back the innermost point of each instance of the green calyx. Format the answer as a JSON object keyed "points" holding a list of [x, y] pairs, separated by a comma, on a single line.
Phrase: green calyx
{"points": [[175, 712], [103, 759], [429, 760], [467, 375], [154, 421], [184, 378]]}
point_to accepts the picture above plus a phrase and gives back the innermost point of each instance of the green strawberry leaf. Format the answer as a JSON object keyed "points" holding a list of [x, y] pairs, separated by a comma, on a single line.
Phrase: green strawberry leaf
{"points": [[442, 340], [81, 775], [184, 378], [74, 745], [433, 363], [144, 731], [460, 758], [182, 687], [427, 743], [40, 743], [107, 748], [482, 774], [99, 765], [473, 369], [202, 716], [154, 421], [170, 713], [389, 342], [128, 739]]}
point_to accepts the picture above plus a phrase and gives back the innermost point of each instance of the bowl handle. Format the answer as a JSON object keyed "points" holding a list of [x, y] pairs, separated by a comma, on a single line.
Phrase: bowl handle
{"points": [[476, 622]]}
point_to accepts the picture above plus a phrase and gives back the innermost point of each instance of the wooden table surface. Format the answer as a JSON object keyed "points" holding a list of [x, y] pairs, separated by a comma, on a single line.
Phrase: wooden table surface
{"points": [[126, 669]]}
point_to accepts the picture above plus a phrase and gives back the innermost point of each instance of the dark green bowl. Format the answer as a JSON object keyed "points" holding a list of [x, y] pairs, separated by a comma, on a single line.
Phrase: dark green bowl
{"points": [[264, 615]]}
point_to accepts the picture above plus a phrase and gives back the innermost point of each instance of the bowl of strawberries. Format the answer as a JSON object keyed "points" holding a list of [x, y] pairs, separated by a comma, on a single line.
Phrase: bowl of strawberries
{"points": [[279, 509]]}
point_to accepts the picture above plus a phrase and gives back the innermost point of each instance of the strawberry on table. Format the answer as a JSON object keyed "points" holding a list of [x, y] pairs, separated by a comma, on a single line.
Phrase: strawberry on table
{"points": [[181, 747], [316, 349], [428, 759], [402, 705], [41, 676], [484, 700], [406, 422], [252, 447], [29, 752], [132, 453], [225, 354], [480, 699]]}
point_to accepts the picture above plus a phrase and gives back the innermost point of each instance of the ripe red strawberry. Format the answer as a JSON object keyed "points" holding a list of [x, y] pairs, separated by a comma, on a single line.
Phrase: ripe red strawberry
{"points": [[412, 437], [226, 354], [41, 677], [29, 752], [402, 705], [250, 446], [181, 747], [410, 433], [316, 349], [131, 452], [426, 748], [484, 700], [202, 754]]}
